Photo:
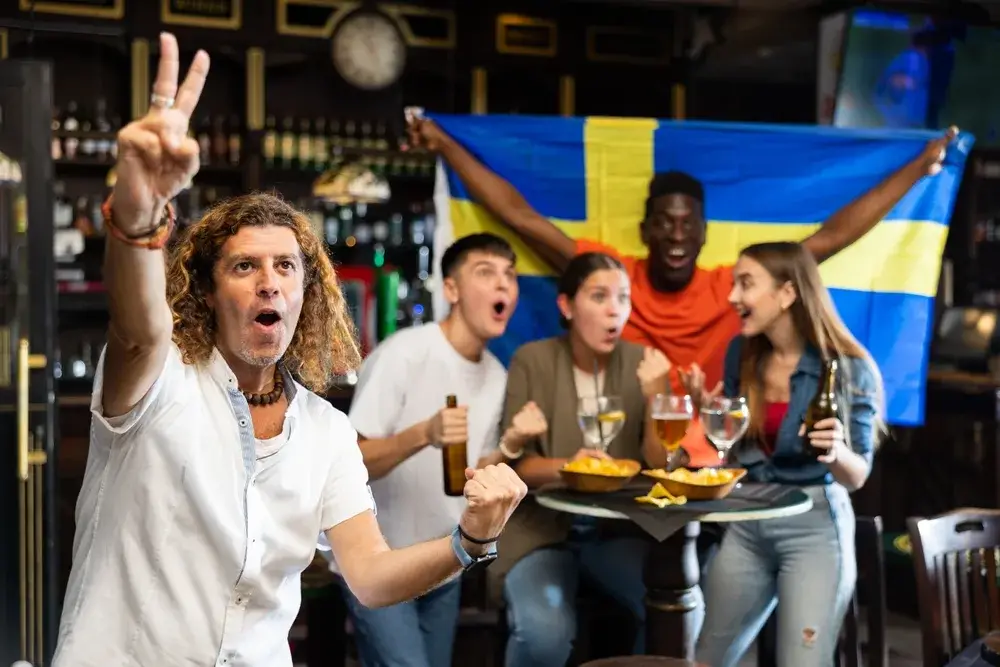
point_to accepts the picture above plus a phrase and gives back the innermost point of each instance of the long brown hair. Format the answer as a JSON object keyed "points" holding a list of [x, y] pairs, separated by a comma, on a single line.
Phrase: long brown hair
{"points": [[324, 342], [815, 319]]}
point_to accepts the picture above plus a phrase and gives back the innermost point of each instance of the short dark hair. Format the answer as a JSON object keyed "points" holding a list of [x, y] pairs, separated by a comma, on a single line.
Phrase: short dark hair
{"points": [[490, 244], [674, 183], [579, 269]]}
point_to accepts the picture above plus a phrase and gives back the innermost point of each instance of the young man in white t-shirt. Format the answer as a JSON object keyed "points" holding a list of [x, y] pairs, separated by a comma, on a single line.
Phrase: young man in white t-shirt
{"points": [[400, 415]]}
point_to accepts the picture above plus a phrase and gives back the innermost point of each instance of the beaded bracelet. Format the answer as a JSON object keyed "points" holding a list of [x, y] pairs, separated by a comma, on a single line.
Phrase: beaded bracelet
{"points": [[153, 239]]}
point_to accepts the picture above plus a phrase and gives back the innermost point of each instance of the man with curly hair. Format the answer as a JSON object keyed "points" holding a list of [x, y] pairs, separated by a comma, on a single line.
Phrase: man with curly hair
{"points": [[213, 467]]}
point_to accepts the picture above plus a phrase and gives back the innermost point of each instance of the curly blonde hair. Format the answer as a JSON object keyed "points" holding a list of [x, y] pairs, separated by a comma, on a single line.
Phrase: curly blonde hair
{"points": [[324, 343]]}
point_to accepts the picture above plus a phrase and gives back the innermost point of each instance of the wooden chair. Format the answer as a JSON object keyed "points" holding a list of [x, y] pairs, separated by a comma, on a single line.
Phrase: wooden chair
{"points": [[955, 557], [871, 581]]}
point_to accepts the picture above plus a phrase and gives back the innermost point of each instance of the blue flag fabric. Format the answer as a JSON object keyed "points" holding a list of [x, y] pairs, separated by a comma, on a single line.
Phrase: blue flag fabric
{"points": [[762, 182]]}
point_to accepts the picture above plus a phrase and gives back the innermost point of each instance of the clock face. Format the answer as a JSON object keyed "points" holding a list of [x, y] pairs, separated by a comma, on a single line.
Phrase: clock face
{"points": [[368, 51]]}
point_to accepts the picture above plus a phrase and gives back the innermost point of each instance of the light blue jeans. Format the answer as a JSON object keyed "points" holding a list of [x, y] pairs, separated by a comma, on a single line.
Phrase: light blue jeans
{"points": [[540, 592], [803, 564], [419, 633]]}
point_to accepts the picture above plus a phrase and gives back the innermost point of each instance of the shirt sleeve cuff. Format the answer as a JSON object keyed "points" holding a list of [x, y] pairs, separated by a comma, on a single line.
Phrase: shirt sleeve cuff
{"points": [[335, 513], [124, 423]]}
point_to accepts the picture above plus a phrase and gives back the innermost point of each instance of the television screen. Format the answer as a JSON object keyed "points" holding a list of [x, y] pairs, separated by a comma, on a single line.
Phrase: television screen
{"points": [[915, 71]]}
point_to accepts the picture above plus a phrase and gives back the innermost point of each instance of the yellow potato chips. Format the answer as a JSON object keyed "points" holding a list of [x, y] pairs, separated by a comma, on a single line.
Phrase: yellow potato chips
{"points": [[660, 497]]}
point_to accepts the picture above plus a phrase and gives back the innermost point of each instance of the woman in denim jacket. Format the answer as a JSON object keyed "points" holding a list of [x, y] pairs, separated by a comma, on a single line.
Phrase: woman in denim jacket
{"points": [[803, 564]]}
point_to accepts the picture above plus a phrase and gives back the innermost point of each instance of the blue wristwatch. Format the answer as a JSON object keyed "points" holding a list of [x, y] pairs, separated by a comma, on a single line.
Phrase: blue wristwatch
{"points": [[470, 563]]}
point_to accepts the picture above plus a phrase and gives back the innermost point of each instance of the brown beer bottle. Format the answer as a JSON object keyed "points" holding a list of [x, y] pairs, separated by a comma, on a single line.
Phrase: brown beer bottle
{"points": [[823, 406], [455, 459]]}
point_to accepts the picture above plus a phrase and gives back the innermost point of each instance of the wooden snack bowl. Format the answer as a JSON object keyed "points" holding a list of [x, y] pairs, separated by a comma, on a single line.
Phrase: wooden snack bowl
{"points": [[698, 491], [588, 482]]}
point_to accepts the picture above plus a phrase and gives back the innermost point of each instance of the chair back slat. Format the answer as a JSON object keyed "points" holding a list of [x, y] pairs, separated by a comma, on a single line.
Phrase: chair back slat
{"points": [[954, 556], [994, 595]]}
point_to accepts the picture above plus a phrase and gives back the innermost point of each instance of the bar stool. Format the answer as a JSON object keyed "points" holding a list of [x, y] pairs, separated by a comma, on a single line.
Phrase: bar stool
{"points": [[641, 661]]}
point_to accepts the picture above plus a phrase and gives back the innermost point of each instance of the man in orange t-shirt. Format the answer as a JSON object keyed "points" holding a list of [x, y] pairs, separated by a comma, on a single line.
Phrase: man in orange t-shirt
{"points": [[677, 307]]}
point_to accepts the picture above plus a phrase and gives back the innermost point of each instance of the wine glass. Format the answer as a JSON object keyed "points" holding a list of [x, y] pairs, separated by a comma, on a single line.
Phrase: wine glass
{"points": [[671, 416], [725, 421], [601, 419]]}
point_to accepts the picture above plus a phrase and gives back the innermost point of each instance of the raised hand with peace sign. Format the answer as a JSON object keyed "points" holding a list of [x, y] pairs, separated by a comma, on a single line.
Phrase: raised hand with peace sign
{"points": [[156, 158]]}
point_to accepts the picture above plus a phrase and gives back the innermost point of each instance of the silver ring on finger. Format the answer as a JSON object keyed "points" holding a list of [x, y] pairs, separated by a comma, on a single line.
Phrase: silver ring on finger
{"points": [[161, 101]]}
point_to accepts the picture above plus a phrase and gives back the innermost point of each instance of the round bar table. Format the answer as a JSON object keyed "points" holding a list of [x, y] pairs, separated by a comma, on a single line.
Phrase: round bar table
{"points": [[672, 570]]}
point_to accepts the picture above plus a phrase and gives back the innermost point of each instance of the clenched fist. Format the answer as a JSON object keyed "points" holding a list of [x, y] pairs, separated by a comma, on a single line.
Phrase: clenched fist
{"points": [[425, 133], [450, 426], [935, 151], [654, 373], [528, 423], [156, 158], [493, 494]]}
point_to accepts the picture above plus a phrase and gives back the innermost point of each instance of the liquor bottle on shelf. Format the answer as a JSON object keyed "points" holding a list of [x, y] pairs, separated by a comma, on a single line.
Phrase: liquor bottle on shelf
{"points": [[381, 142], [220, 141], [205, 140], [88, 143], [70, 124], [270, 143], [336, 144], [346, 215], [367, 141], [56, 147], [235, 143], [397, 165], [287, 148], [62, 208], [304, 145], [362, 227], [320, 145], [103, 127], [81, 217], [350, 136], [331, 226], [395, 230]]}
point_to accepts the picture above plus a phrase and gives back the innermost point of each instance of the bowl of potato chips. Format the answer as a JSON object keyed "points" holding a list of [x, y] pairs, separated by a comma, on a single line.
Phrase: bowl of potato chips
{"points": [[593, 475], [701, 484]]}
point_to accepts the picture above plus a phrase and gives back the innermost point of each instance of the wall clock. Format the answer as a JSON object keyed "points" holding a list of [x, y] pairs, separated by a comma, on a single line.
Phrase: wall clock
{"points": [[368, 50]]}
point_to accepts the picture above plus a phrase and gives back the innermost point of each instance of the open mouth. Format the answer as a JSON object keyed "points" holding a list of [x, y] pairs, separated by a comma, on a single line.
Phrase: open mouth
{"points": [[677, 258], [267, 318], [499, 308], [744, 313]]}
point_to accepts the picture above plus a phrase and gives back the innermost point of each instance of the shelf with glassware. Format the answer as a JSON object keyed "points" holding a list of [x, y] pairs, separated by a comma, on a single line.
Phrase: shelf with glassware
{"points": [[369, 199]]}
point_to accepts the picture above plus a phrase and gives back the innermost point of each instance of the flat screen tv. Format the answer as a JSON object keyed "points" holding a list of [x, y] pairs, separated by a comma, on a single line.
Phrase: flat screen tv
{"points": [[921, 72]]}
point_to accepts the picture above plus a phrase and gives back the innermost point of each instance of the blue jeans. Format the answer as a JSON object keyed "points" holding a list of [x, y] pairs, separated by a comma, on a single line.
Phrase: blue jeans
{"points": [[419, 633], [540, 592], [803, 564]]}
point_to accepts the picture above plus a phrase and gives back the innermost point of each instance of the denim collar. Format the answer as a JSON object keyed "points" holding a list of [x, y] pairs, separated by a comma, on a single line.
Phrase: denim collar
{"points": [[810, 362]]}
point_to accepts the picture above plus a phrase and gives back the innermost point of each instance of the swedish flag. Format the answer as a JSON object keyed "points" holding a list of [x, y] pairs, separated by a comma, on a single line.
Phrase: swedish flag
{"points": [[762, 183]]}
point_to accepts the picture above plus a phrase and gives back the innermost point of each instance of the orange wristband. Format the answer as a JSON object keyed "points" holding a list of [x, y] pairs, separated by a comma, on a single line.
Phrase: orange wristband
{"points": [[154, 239]]}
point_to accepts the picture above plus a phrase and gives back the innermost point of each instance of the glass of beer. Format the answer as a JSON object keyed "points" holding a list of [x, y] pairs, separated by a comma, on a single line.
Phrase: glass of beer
{"points": [[672, 415], [725, 421], [601, 419]]}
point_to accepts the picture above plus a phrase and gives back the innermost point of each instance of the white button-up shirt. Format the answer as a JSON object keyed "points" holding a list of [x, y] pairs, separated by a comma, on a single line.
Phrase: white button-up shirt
{"points": [[188, 548]]}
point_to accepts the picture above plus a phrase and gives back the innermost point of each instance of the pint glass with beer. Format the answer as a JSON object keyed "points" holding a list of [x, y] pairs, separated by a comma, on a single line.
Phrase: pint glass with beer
{"points": [[672, 416]]}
